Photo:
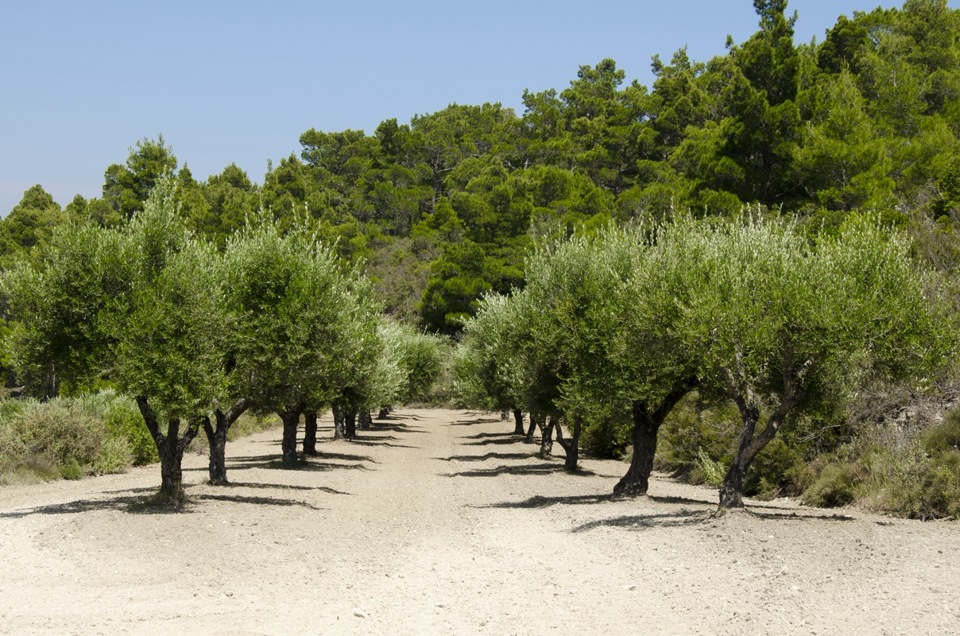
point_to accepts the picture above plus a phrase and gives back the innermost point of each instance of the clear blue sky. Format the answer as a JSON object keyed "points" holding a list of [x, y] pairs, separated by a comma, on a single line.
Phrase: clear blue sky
{"points": [[81, 81]]}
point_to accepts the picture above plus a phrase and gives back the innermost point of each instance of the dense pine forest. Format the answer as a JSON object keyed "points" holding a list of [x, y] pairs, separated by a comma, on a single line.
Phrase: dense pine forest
{"points": [[811, 162]]}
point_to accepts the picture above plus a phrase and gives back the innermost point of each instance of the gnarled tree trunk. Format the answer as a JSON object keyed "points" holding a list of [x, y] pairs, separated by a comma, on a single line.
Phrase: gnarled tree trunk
{"points": [[217, 439], [748, 403], [546, 438], [646, 426], [518, 422], [310, 432], [290, 419], [170, 446], [528, 438], [571, 445], [366, 420], [350, 423]]}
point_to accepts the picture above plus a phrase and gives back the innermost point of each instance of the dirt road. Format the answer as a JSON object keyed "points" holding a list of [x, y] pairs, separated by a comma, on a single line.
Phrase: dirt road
{"points": [[439, 522]]}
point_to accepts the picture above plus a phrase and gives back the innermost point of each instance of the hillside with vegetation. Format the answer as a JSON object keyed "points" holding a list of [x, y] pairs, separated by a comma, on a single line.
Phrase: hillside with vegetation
{"points": [[757, 254]]}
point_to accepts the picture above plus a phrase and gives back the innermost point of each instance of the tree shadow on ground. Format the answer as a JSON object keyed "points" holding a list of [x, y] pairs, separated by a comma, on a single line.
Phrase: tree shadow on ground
{"points": [[122, 504], [674, 500], [676, 519], [260, 486], [259, 501], [485, 457], [538, 501], [346, 457], [480, 420], [395, 418], [488, 442], [272, 462], [366, 441], [488, 435], [525, 469], [143, 504], [398, 428], [788, 515], [754, 505]]}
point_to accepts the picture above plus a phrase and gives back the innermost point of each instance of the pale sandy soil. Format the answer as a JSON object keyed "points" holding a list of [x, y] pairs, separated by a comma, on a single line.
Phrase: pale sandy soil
{"points": [[439, 522]]}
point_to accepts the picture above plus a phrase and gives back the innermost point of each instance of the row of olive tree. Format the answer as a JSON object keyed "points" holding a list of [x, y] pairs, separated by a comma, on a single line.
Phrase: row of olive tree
{"points": [[750, 311], [274, 323]]}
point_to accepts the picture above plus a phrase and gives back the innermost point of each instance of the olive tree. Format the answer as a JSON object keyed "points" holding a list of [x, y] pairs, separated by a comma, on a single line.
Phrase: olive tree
{"points": [[412, 363], [58, 340], [785, 328], [361, 371], [168, 353], [593, 333], [650, 366], [489, 365], [290, 304], [140, 307], [570, 299]]}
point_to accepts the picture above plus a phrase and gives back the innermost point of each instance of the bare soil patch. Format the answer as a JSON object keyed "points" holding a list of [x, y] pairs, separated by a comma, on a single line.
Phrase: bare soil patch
{"points": [[441, 522]]}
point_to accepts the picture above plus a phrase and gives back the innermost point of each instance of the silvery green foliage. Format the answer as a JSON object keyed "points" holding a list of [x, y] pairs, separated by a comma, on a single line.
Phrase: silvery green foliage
{"points": [[785, 328], [489, 365], [575, 311], [167, 331], [769, 311], [388, 378], [290, 305], [356, 375], [58, 303], [413, 360]]}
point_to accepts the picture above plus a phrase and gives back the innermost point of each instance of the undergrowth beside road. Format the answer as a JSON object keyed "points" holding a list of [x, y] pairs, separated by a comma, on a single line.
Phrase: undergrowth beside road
{"points": [[902, 468], [93, 434]]}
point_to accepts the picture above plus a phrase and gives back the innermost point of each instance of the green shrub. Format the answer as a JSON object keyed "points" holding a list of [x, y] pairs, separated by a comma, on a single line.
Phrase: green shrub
{"points": [[123, 420], [55, 438], [928, 489], [837, 485], [943, 437], [924, 480], [70, 469], [693, 429], [708, 471], [897, 471], [250, 423], [939, 488], [13, 452], [608, 438], [63, 431], [66, 438], [115, 456]]}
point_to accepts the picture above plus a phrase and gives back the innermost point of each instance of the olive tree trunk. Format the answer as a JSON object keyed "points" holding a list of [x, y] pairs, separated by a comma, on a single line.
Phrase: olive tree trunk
{"points": [[350, 423], [546, 438], [571, 445], [528, 437], [646, 426], [518, 422], [748, 404], [217, 439], [310, 432], [338, 427], [170, 447], [366, 419], [291, 420]]}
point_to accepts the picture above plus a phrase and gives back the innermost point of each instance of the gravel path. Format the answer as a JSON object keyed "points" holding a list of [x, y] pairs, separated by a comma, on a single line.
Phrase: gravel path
{"points": [[440, 522]]}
